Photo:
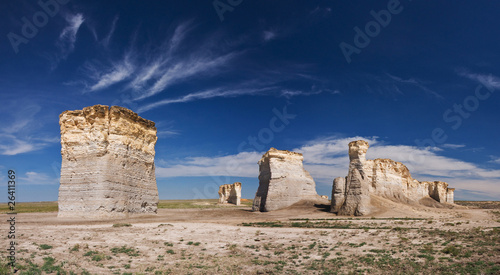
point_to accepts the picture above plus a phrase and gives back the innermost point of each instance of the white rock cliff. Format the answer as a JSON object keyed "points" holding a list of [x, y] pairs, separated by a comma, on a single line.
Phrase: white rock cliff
{"points": [[108, 165], [230, 193], [283, 181]]}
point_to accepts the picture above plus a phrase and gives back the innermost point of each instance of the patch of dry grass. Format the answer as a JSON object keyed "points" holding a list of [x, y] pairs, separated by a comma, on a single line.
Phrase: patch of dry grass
{"points": [[31, 207], [52, 206], [480, 204]]}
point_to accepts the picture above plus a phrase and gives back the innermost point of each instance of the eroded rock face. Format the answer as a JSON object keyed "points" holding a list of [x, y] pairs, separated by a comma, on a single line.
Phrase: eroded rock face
{"points": [[450, 195], [283, 181], [357, 194], [381, 177], [338, 194], [107, 163], [230, 193]]}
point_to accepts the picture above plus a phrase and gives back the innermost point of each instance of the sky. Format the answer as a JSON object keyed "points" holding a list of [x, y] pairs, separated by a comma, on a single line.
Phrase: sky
{"points": [[226, 80]]}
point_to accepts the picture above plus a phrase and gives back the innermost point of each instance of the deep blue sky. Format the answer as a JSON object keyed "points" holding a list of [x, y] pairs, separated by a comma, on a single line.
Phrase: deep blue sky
{"points": [[211, 78]]}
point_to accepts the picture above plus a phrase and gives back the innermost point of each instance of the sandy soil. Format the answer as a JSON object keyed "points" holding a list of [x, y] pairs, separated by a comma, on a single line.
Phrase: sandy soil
{"points": [[213, 241]]}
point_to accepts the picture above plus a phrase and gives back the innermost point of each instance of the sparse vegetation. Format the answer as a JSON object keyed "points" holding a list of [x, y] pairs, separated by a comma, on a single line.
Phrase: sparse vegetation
{"points": [[75, 248], [441, 245], [480, 204], [90, 253], [125, 250], [31, 207], [122, 225], [45, 246], [319, 224]]}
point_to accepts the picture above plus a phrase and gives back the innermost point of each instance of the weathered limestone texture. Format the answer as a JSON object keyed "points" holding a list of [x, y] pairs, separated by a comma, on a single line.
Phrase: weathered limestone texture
{"points": [[283, 181], [108, 165], [357, 194], [381, 177], [450, 195], [230, 193], [338, 194]]}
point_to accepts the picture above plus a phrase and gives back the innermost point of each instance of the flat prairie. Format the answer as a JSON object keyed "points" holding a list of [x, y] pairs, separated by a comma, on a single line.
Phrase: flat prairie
{"points": [[202, 237]]}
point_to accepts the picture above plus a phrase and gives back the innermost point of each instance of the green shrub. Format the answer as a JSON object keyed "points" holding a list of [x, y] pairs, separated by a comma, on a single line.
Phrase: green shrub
{"points": [[452, 250], [45, 246]]}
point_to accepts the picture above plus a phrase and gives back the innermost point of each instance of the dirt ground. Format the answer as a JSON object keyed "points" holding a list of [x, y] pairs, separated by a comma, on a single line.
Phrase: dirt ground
{"points": [[303, 239]]}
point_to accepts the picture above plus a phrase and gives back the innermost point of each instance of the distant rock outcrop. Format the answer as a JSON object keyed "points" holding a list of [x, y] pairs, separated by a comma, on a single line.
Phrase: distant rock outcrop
{"points": [[283, 181], [230, 193], [107, 163], [381, 177]]}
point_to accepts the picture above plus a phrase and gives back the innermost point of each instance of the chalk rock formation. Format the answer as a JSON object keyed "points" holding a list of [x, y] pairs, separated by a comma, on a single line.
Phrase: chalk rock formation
{"points": [[283, 181], [338, 194], [107, 163], [230, 193], [381, 177], [450, 195]]}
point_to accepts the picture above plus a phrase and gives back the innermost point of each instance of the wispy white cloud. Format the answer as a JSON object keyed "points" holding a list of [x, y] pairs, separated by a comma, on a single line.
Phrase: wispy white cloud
{"points": [[288, 93], [160, 62], [489, 81], [107, 39], [401, 80], [144, 75], [20, 124], [16, 131], [183, 70], [167, 133], [180, 33], [321, 11], [453, 146], [422, 161], [67, 38], [239, 165], [252, 88], [269, 35], [495, 159], [11, 145], [414, 82], [118, 73], [149, 72], [69, 32], [35, 178], [207, 94]]}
